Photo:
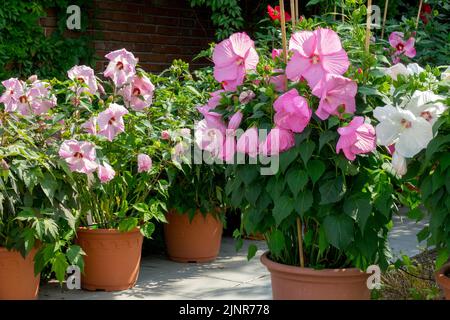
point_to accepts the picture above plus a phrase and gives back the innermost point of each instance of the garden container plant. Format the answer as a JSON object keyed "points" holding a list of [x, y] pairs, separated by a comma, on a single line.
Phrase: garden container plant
{"points": [[325, 211], [112, 146], [37, 220], [193, 231]]}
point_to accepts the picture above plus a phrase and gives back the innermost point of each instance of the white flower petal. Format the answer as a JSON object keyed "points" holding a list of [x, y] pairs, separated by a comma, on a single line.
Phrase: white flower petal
{"points": [[412, 140]]}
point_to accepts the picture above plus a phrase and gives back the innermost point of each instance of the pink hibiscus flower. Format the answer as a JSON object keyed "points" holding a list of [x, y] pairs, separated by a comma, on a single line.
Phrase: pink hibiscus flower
{"points": [[279, 81], [292, 111], [248, 142], [80, 155], [139, 93], [121, 67], [278, 140], [9, 97], [90, 126], [144, 163], [84, 75], [356, 138], [232, 58], [401, 46], [105, 172], [110, 121], [337, 95], [41, 100], [316, 54]]}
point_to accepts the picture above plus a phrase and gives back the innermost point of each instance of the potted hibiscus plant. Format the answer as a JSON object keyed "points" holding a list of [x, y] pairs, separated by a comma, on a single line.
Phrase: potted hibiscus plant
{"points": [[195, 220], [311, 179], [111, 144], [38, 203]]}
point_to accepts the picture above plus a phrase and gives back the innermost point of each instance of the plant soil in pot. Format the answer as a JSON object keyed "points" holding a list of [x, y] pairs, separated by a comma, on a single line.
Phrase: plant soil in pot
{"points": [[295, 283], [17, 278], [112, 258], [443, 279], [192, 241]]}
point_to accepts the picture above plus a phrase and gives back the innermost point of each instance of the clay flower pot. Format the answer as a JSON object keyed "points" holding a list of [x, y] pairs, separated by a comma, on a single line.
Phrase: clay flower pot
{"points": [[17, 279], [443, 279], [295, 283], [112, 258], [195, 241]]}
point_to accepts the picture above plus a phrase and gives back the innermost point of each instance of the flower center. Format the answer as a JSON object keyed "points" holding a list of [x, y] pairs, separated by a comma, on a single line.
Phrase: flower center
{"points": [[426, 115], [80, 79], [119, 65], [315, 59], [112, 120], [239, 61], [405, 123], [136, 92], [23, 99], [211, 133], [11, 92], [400, 47], [78, 155]]}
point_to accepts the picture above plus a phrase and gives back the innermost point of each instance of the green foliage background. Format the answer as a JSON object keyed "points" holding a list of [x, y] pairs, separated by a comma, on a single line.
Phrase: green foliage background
{"points": [[24, 48]]}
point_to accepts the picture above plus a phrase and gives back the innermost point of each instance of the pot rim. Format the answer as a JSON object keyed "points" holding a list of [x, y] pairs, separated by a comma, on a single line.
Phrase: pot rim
{"points": [[284, 268], [441, 276], [105, 231]]}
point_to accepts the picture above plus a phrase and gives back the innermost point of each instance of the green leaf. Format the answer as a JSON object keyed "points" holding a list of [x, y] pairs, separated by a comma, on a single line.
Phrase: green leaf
{"points": [[332, 191], [441, 258], [59, 266], [141, 207], [248, 173], [147, 230], [323, 242], [315, 169], [359, 209], [306, 150], [252, 249], [282, 209], [252, 193], [296, 179], [416, 214], [287, 157], [326, 137], [276, 242], [75, 256], [313, 2], [49, 186], [339, 230], [128, 224], [304, 202], [423, 234]]}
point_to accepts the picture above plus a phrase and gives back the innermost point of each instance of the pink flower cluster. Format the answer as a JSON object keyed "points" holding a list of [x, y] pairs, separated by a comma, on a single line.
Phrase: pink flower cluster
{"points": [[401, 47], [316, 56], [27, 98]]}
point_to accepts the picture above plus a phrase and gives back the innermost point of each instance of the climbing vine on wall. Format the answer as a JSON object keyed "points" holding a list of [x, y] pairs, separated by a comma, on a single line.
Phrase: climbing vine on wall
{"points": [[24, 47]]}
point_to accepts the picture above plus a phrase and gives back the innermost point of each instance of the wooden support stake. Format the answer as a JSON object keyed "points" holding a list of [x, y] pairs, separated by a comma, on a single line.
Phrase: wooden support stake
{"points": [[296, 11], [293, 14], [386, 4], [368, 23], [300, 242], [418, 13]]}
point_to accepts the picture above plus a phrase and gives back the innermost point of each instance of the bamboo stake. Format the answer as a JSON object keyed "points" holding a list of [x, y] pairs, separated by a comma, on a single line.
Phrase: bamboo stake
{"points": [[283, 34], [334, 12], [296, 11], [293, 14], [418, 13], [384, 17], [342, 10], [368, 22], [300, 243]]}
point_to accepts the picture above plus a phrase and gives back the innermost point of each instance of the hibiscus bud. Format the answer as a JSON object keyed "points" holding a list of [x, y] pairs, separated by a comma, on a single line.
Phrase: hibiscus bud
{"points": [[32, 78], [360, 71], [399, 164], [101, 103], [4, 165], [235, 121], [267, 68], [165, 135], [246, 96], [144, 163]]}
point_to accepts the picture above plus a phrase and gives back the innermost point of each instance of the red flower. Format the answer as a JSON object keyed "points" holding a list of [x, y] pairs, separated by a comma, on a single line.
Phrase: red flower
{"points": [[274, 13], [425, 12]]}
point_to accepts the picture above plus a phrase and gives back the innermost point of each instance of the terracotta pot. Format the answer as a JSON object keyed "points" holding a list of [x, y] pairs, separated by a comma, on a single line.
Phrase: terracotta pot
{"points": [[195, 241], [112, 258], [443, 279], [295, 283], [17, 279]]}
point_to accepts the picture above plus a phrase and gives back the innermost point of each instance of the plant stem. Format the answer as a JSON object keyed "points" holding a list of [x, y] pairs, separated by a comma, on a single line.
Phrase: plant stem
{"points": [[300, 242]]}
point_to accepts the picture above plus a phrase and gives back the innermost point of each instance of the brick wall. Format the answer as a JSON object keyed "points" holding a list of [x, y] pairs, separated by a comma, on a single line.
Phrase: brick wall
{"points": [[156, 31]]}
